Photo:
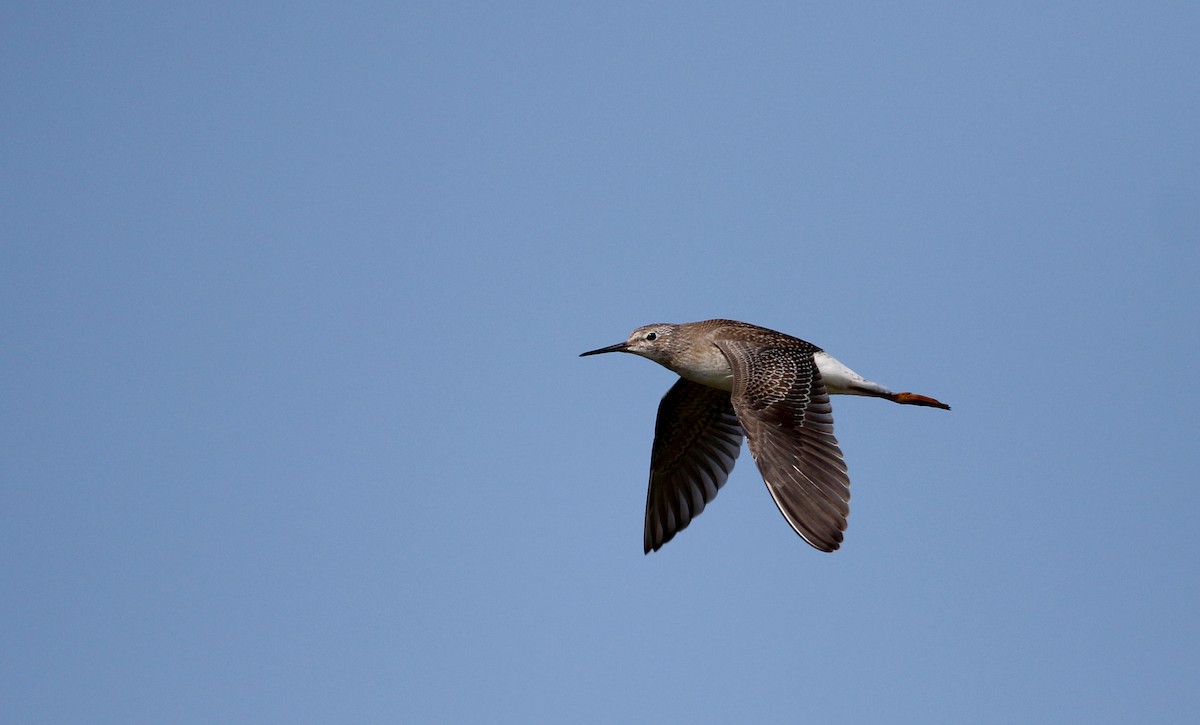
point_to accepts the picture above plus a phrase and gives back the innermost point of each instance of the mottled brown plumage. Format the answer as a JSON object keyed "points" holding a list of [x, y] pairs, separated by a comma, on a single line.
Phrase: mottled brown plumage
{"points": [[735, 379]]}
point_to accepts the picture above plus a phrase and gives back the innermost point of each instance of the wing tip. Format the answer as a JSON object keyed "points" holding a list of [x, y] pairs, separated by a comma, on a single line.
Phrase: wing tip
{"points": [[832, 544]]}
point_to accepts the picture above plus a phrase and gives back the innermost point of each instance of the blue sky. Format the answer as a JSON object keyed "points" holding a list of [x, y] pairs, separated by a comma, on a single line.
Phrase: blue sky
{"points": [[294, 430]]}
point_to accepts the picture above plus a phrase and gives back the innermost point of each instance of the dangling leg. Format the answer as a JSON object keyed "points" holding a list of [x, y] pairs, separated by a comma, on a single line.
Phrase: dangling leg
{"points": [[914, 399], [841, 380]]}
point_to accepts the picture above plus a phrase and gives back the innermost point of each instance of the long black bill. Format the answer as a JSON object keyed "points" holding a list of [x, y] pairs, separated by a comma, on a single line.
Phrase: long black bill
{"points": [[619, 347]]}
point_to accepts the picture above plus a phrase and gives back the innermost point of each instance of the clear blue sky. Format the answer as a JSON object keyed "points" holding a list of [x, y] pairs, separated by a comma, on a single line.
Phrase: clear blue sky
{"points": [[294, 430]]}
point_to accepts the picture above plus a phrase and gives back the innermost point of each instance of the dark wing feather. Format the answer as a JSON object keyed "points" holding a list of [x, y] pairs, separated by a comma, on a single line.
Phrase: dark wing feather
{"points": [[784, 410], [696, 441]]}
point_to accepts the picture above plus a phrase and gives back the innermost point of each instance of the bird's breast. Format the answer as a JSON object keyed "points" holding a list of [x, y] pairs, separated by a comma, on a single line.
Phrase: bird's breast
{"points": [[707, 366]]}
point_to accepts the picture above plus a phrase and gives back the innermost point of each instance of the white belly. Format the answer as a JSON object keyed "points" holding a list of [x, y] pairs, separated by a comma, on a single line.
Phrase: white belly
{"points": [[841, 380]]}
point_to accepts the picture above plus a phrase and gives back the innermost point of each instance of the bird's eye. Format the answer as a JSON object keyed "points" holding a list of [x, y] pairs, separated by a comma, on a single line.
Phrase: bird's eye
{"points": [[652, 336]]}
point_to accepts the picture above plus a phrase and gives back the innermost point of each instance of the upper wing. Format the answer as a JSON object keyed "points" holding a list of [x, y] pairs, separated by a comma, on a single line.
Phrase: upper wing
{"points": [[696, 441], [784, 409]]}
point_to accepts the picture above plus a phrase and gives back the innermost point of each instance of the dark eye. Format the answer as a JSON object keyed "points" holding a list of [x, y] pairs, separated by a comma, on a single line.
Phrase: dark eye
{"points": [[651, 336]]}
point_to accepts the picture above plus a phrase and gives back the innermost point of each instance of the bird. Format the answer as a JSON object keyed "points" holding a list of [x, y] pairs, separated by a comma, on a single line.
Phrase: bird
{"points": [[740, 380]]}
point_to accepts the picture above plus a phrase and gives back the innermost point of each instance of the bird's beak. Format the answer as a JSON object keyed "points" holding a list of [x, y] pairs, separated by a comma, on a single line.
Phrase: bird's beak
{"points": [[619, 347]]}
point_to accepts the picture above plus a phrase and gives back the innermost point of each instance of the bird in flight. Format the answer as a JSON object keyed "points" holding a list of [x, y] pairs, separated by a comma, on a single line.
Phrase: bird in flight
{"points": [[738, 379]]}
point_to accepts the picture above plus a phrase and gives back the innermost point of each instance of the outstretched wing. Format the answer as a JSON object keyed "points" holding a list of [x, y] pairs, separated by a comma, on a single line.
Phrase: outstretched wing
{"points": [[696, 441], [784, 410]]}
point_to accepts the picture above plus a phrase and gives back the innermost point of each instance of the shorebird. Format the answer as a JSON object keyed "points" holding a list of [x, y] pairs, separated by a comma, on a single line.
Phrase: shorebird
{"points": [[739, 379]]}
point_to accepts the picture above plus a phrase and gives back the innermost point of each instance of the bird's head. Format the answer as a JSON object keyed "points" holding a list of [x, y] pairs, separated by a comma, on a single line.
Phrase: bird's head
{"points": [[655, 342]]}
